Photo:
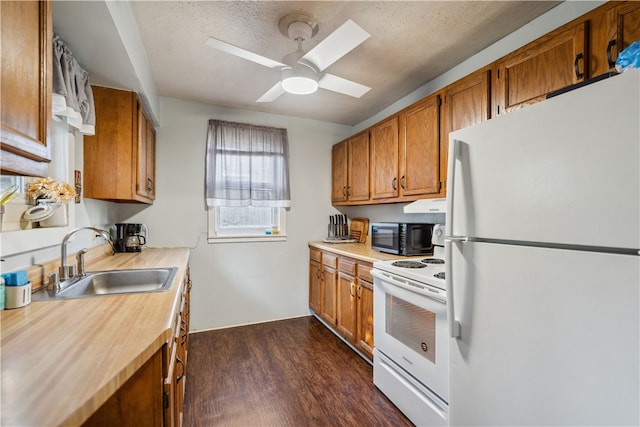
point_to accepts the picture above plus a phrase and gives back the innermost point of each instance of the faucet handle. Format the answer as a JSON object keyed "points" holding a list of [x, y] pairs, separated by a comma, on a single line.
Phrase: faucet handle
{"points": [[54, 282]]}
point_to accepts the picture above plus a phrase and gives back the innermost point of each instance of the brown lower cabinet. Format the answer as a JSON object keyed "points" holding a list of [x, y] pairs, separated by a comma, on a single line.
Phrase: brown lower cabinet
{"points": [[154, 395], [341, 294]]}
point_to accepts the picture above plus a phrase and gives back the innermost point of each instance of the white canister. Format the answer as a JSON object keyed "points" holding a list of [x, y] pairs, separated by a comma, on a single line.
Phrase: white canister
{"points": [[17, 296]]}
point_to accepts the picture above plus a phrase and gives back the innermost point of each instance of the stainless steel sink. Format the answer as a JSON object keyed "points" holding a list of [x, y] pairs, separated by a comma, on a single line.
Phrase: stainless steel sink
{"points": [[114, 282]]}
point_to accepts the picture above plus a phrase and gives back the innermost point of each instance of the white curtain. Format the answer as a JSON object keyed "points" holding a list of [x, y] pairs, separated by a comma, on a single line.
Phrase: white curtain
{"points": [[72, 94], [246, 165]]}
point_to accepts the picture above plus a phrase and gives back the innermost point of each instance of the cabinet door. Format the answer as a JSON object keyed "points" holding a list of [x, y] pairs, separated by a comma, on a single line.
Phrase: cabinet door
{"points": [[346, 304], [151, 160], [384, 159], [612, 27], [108, 163], [315, 277], [339, 162], [552, 62], [145, 161], [328, 292], [627, 20], [365, 318], [420, 148], [25, 86], [138, 402], [358, 169], [119, 160], [466, 102]]}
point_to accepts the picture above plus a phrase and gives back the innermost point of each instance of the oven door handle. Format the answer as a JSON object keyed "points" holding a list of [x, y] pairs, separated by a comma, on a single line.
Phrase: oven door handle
{"points": [[435, 295]]}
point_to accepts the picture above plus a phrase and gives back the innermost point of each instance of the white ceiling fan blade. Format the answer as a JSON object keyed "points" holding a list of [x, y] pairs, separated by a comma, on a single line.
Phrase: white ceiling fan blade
{"points": [[337, 44], [272, 94], [242, 53], [340, 85]]}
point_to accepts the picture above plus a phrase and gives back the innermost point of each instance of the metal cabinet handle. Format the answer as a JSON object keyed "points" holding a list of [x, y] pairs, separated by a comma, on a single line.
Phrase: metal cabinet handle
{"points": [[402, 182], [181, 363], [394, 183], [149, 184], [610, 60], [576, 66], [351, 289], [359, 292]]}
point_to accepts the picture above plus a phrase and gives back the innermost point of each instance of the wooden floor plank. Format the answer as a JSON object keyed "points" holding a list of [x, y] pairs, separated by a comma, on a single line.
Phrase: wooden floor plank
{"points": [[286, 373]]}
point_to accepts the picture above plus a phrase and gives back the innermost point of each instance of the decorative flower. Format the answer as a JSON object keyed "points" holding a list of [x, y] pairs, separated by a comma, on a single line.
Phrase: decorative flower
{"points": [[48, 188]]}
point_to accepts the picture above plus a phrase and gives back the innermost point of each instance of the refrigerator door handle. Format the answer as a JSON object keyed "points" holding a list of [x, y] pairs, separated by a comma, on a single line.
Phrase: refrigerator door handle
{"points": [[454, 154], [450, 239], [454, 325]]}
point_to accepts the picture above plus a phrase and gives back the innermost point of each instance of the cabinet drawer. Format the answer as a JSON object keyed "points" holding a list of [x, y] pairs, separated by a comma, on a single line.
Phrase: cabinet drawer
{"points": [[364, 271], [315, 255], [347, 265], [329, 260]]}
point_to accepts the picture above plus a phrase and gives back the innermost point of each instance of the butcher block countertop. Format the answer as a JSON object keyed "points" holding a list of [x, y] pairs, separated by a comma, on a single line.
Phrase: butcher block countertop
{"points": [[61, 360], [359, 251]]}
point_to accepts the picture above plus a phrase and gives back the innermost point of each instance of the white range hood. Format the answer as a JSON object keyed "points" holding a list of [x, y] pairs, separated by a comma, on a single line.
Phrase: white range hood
{"points": [[427, 206]]}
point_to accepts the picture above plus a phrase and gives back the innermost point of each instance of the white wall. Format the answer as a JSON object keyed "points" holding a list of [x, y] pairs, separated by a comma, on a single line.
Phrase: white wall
{"points": [[238, 283]]}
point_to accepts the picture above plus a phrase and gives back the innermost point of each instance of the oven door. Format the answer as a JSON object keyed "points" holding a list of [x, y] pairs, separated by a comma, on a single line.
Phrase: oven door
{"points": [[411, 329]]}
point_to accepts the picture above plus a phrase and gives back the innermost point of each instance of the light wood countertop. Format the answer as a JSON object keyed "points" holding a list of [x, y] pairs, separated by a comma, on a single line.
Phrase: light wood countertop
{"points": [[61, 360], [359, 251]]}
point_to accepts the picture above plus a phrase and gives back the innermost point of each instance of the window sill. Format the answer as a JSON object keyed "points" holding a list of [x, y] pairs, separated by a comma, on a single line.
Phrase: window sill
{"points": [[247, 239]]}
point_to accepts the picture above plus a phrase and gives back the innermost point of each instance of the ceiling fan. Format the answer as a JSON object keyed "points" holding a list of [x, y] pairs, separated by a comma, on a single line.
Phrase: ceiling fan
{"points": [[303, 73]]}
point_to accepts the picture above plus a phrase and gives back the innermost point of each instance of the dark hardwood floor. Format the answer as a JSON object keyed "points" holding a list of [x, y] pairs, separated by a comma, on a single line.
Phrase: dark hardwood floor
{"points": [[285, 373]]}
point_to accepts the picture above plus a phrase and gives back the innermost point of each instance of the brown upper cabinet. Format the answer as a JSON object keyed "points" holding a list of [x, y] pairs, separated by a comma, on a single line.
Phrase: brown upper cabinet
{"points": [[385, 155], [420, 148], [466, 102], [552, 62], [613, 27], [119, 160], [408, 150], [350, 170], [146, 170], [26, 38], [339, 166]]}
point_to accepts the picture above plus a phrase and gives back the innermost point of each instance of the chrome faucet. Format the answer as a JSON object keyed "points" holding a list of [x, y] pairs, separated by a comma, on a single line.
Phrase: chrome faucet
{"points": [[65, 271]]}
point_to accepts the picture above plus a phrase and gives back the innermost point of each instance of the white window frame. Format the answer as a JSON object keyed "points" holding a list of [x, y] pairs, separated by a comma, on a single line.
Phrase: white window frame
{"points": [[215, 235]]}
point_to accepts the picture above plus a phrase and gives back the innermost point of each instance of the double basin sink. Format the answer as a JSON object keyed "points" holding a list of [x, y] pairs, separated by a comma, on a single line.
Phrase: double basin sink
{"points": [[113, 282]]}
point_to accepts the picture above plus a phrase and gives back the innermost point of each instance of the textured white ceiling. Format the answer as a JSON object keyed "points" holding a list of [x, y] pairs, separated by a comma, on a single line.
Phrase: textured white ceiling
{"points": [[411, 43]]}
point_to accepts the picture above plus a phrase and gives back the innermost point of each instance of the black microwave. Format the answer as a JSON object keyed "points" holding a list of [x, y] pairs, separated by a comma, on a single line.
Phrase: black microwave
{"points": [[407, 239]]}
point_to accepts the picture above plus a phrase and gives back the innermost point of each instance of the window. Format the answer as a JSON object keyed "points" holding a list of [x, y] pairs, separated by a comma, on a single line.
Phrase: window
{"points": [[244, 223], [247, 182]]}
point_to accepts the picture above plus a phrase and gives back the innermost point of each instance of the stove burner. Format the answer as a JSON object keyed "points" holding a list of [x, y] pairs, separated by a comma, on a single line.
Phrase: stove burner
{"points": [[408, 264], [433, 261], [439, 275]]}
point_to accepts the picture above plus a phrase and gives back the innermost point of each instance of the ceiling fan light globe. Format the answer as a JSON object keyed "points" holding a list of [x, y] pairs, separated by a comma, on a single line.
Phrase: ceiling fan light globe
{"points": [[299, 80], [299, 85]]}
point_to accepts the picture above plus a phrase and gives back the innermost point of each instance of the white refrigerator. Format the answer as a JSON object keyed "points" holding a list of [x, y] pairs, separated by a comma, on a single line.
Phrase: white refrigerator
{"points": [[543, 265]]}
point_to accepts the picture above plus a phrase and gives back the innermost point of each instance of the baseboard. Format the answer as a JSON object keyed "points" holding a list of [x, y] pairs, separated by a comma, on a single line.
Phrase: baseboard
{"points": [[247, 324]]}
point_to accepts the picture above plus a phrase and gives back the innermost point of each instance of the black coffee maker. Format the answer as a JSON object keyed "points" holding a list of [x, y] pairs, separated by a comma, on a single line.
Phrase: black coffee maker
{"points": [[129, 237]]}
